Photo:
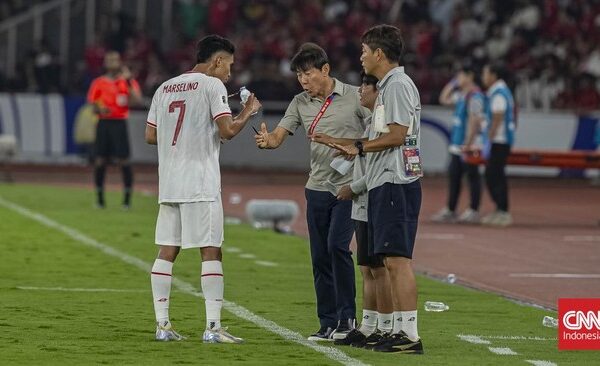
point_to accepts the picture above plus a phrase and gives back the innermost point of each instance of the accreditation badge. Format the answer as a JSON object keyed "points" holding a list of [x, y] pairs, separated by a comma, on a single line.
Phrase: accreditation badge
{"points": [[122, 100], [411, 157]]}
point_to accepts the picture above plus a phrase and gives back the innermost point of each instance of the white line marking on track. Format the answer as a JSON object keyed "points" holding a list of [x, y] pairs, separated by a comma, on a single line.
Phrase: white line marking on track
{"points": [[473, 339], [555, 275], [78, 289], [584, 238], [266, 263], [235, 309], [504, 351], [507, 337], [441, 236], [541, 363]]}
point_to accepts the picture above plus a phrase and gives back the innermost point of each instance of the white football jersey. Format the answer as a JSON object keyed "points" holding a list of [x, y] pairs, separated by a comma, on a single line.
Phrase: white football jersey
{"points": [[183, 111]]}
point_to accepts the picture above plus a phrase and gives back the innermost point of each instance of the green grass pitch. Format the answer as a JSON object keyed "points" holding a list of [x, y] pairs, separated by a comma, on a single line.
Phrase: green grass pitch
{"points": [[117, 328]]}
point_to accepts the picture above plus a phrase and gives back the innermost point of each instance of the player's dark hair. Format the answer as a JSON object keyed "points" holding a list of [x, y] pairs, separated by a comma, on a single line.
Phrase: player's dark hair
{"points": [[471, 70], [386, 37], [499, 69], [308, 56], [369, 79], [212, 44]]}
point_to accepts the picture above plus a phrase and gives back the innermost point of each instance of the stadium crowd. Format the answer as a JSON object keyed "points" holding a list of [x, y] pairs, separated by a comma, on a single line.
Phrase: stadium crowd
{"points": [[551, 47]]}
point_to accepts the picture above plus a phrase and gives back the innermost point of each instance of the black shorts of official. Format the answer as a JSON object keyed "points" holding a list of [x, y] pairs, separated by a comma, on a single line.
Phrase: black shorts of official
{"points": [[112, 139], [393, 218], [363, 258]]}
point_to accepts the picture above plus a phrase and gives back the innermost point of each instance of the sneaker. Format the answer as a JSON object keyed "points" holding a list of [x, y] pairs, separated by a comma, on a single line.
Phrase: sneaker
{"points": [[166, 333], [323, 334], [377, 340], [489, 218], [400, 343], [370, 341], [502, 219], [219, 336], [444, 216], [470, 216], [343, 329], [354, 336]]}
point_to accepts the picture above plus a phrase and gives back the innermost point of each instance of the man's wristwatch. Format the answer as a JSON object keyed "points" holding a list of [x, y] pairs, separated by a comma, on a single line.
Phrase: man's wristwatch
{"points": [[359, 145]]}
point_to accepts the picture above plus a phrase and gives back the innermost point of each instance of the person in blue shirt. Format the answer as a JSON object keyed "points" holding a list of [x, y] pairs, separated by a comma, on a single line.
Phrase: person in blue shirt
{"points": [[500, 130], [469, 102]]}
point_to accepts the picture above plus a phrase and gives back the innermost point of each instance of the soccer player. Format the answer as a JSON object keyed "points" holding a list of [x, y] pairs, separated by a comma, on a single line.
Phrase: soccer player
{"points": [[378, 314], [188, 118], [110, 96], [325, 106], [469, 104], [393, 171], [500, 131]]}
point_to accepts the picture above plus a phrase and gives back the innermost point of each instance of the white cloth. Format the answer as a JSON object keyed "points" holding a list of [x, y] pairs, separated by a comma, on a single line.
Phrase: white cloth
{"points": [[190, 225], [188, 157]]}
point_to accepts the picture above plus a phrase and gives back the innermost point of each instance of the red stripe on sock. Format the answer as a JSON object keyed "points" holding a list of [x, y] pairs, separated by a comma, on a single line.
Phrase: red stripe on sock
{"points": [[161, 274], [212, 274]]}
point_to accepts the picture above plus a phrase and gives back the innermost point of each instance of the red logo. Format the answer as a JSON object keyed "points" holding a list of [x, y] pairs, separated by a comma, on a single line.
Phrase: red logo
{"points": [[578, 324]]}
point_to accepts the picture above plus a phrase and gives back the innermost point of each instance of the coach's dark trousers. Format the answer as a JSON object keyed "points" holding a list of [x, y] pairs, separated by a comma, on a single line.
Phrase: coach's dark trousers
{"points": [[330, 228]]}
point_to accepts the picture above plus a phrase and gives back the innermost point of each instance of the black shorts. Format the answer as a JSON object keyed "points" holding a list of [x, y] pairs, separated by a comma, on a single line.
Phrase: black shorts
{"points": [[112, 139], [363, 258], [393, 217]]}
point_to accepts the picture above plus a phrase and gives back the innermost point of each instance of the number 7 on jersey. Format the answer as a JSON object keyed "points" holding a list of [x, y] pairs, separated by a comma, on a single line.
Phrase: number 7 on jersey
{"points": [[181, 105]]}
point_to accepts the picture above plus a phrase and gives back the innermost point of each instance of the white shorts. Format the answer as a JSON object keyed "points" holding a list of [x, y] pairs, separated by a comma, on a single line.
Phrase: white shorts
{"points": [[190, 225]]}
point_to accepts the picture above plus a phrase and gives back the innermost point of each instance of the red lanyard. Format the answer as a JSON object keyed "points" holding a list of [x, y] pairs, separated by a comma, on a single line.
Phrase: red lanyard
{"points": [[315, 122]]}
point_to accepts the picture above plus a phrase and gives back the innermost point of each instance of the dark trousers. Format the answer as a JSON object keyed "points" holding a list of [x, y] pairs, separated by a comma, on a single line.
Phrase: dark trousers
{"points": [[495, 175], [330, 228], [456, 170]]}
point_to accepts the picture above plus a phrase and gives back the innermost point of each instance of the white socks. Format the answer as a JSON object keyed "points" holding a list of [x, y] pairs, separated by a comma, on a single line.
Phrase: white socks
{"points": [[406, 321], [212, 287], [161, 288], [385, 322], [368, 324]]}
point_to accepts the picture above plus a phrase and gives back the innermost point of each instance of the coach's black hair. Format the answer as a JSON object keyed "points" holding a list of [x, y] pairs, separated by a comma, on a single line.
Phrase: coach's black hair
{"points": [[386, 37], [369, 79], [212, 44], [499, 69], [308, 56], [473, 71]]}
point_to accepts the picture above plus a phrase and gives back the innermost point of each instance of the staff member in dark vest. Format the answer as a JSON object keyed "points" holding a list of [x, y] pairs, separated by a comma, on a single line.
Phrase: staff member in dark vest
{"points": [[326, 106], [111, 95]]}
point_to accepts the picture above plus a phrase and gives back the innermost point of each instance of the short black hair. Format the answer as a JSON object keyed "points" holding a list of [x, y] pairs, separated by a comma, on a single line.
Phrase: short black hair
{"points": [[212, 44], [498, 68], [369, 79], [308, 56], [386, 37]]}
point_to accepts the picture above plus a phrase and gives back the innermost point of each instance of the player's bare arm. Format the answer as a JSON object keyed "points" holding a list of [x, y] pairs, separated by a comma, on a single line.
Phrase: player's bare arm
{"points": [[150, 135], [270, 140], [396, 137], [229, 127], [497, 119], [324, 139]]}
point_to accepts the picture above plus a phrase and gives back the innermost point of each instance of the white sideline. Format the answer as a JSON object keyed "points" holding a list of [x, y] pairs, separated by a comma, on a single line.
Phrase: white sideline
{"points": [[504, 337], [505, 351], [235, 309], [473, 339], [541, 363]]}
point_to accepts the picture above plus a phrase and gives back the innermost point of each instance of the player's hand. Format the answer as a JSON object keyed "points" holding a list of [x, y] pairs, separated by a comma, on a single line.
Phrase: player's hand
{"points": [[126, 73], [321, 138], [345, 193], [262, 136], [346, 150], [252, 104]]}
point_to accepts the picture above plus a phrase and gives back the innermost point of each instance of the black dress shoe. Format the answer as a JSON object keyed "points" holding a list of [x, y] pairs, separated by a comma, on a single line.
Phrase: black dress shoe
{"points": [[323, 334]]}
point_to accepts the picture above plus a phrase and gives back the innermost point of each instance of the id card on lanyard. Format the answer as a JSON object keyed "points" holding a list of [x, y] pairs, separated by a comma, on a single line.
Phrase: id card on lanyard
{"points": [[324, 107], [411, 154]]}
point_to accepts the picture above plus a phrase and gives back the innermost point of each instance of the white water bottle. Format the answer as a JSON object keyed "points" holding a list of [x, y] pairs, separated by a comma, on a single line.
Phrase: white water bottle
{"points": [[436, 306], [550, 322], [244, 95]]}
